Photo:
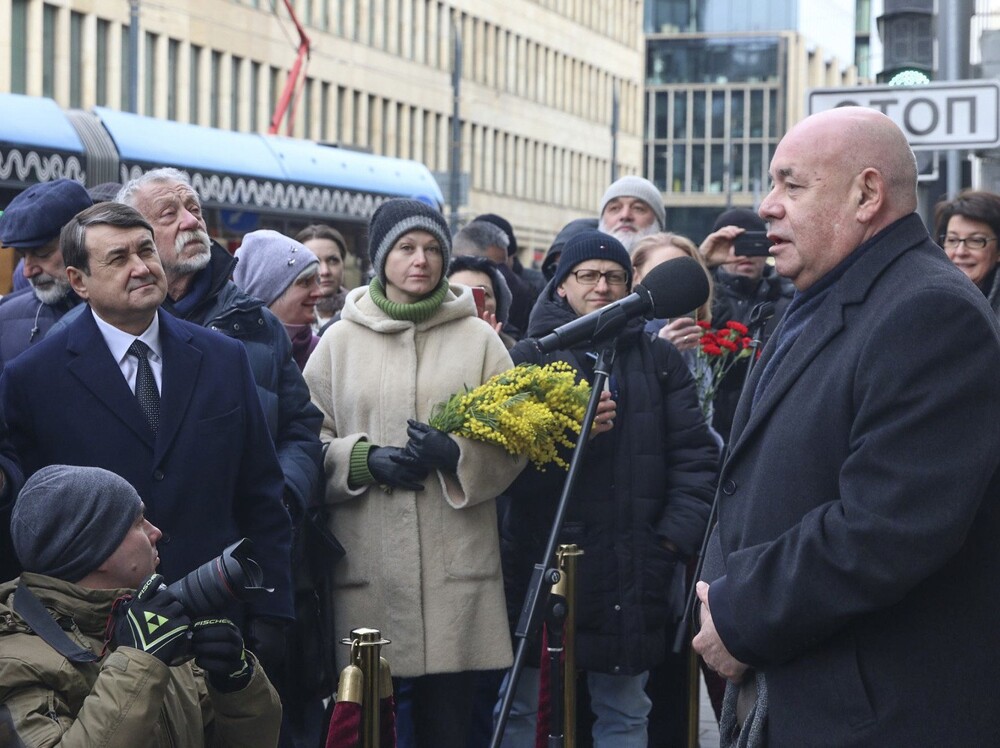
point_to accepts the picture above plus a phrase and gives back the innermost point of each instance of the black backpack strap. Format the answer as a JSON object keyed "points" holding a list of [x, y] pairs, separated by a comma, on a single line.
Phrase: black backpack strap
{"points": [[39, 620]]}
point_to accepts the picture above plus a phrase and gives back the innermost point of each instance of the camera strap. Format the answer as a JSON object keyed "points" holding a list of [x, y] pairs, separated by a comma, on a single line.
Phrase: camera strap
{"points": [[30, 608]]}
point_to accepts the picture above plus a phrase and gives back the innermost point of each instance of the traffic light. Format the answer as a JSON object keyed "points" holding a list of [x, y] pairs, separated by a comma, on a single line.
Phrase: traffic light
{"points": [[906, 29]]}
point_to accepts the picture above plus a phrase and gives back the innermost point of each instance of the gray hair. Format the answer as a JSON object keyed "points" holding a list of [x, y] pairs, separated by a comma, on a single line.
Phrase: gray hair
{"points": [[154, 176], [477, 237]]}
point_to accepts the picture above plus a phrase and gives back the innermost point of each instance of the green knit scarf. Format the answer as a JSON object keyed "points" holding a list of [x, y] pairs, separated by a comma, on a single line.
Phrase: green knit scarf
{"points": [[418, 311]]}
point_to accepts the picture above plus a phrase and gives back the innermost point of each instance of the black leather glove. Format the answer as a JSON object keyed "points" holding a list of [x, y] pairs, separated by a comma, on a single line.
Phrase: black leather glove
{"points": [[392, 466], [218, 650], [152, 620], [430, 447], [266, 638]]}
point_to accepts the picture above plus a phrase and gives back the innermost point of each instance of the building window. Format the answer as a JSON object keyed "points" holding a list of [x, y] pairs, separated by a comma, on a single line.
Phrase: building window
{"points": [[18, 46], [215, 89], [254, 95], [149, 73], [307, 109], [101, 88], [235, 67], [193, 84], [75, 58], [173, 55], [49, 18], [324, 112]]}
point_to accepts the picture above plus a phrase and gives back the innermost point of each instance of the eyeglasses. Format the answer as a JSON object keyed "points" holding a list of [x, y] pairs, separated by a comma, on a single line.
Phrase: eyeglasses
{"points": [[593, 277], [974, 243]]}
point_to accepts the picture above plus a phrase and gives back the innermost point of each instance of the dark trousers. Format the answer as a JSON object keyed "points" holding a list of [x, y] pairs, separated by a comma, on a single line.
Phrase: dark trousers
{"points": [[435, 709]]}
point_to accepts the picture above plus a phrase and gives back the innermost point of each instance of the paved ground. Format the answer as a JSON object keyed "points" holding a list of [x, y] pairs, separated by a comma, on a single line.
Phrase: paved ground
{"points": [[708, 731]]}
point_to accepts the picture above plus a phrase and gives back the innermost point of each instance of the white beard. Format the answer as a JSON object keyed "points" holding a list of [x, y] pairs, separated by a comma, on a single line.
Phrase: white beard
{"points": [[629, 238], [193, 264], [50, 294]]}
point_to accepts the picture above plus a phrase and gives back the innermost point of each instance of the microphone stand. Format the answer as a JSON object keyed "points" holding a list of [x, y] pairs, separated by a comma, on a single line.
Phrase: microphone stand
{"points": [[546, 573], [759, 317]]}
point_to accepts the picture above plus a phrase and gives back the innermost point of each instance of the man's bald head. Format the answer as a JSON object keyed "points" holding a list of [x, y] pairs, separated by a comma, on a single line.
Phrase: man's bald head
{"points": [[838, 178]]}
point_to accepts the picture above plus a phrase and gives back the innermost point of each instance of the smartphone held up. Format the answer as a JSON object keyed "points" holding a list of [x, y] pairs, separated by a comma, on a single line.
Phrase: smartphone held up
{"points": [[751, 244]]}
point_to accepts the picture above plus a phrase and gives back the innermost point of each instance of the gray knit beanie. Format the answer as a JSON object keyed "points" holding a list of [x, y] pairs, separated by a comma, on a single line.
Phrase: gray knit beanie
{"points": [[591, 245], [68, 520], [394, 218], [637, 187], [269, 263]]}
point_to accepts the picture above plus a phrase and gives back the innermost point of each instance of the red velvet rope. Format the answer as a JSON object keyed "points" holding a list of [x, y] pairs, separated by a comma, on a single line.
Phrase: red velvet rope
{"points": [[345, 726]]}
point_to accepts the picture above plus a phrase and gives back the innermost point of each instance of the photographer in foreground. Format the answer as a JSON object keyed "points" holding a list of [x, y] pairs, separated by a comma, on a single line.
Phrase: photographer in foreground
{"points": [[85, 661]]}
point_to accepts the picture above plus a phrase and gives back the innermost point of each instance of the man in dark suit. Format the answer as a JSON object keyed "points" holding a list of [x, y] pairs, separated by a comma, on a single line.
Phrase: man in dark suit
{"points": [[168, 405], [860, 504]]}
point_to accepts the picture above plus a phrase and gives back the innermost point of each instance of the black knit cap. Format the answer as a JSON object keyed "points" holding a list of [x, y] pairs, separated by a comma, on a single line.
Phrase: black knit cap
{"points": [[742, 217], [504, 225], [591, 245], [394, 218]]}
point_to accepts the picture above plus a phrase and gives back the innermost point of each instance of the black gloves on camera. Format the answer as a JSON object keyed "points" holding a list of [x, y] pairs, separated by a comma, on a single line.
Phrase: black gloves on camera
{"points": [[218, 650], [430, 447], [393, 467], [152, 621]]}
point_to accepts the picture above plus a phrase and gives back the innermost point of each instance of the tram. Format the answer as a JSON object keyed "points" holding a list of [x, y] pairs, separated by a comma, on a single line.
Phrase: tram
{"points": [[246, 181]]}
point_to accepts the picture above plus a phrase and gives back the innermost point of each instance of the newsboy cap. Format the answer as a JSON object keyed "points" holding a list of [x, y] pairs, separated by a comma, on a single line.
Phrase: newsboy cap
{"points": [[37, 215]]}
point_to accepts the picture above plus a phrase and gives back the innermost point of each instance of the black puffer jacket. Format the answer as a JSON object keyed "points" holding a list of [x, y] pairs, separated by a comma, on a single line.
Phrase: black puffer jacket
{"points": [[648, 480], [735, 297]]}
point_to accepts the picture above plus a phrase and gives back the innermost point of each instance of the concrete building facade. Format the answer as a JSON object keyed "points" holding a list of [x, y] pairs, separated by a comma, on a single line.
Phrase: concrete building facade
{"points": [[539, 78]]}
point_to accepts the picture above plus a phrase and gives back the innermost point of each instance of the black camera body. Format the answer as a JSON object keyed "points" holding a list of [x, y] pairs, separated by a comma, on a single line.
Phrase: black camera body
{"points": [[751, 244]]}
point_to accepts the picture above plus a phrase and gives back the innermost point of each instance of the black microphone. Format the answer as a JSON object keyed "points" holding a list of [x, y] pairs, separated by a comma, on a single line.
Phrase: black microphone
{"points": [[671, 289]]}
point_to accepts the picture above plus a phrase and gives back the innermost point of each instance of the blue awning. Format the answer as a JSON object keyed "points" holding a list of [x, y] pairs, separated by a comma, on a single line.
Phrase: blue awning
{"points": [[35, 122], [159, 141], [192, 147], [305, 161]]}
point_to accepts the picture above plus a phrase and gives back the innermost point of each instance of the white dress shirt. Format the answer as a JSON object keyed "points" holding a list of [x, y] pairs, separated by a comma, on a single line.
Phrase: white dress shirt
{"points": [[118, 343]]}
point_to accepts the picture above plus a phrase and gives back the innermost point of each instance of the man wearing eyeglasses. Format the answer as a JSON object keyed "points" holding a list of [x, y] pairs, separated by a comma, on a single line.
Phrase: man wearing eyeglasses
{"points": [[638, 510], [967, 228]]}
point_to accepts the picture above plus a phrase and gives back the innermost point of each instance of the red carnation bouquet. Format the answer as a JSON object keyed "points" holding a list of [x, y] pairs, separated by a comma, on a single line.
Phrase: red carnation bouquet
{"points": [[718, 352]]}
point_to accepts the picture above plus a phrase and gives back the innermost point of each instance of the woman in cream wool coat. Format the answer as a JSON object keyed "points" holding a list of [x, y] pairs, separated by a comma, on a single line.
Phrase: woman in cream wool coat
{"points": [[414, 508]]}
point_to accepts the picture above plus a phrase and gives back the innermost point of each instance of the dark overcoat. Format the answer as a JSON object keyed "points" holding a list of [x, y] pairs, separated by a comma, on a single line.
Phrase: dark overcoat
{"points": [[210, 474], [860, 511]]}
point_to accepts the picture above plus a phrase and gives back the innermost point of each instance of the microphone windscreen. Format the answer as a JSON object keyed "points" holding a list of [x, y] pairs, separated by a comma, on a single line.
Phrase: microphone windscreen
{"points": [[676, 287]]}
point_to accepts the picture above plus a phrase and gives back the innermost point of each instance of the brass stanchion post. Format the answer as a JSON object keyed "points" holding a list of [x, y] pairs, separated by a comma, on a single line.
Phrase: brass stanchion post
{"points": [[366, 648], [566, 556]]}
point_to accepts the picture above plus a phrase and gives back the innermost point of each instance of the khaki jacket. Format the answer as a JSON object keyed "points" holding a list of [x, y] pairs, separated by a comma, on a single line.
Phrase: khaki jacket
{"points": [[127, 699]]}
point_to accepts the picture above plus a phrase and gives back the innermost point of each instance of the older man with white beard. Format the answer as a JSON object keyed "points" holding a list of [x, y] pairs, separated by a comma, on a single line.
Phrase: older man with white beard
{"points": [[31, 225], [632, 208], [199, 290]]}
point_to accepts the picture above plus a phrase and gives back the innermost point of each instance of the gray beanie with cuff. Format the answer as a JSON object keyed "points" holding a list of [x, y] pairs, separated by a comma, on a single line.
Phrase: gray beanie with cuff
{"points": [[642, 189], [69, 519]]}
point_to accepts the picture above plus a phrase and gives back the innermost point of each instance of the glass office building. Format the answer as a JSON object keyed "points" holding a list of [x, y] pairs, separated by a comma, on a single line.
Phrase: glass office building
{"points": [[724, 80]]}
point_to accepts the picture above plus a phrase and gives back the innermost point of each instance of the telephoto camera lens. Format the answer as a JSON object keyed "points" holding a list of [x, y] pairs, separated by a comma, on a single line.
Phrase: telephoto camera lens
{"points": [[213, 586]]}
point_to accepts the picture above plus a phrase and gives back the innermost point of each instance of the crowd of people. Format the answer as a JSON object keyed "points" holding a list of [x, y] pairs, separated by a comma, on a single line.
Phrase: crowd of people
{"points": [[162, 398]]}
